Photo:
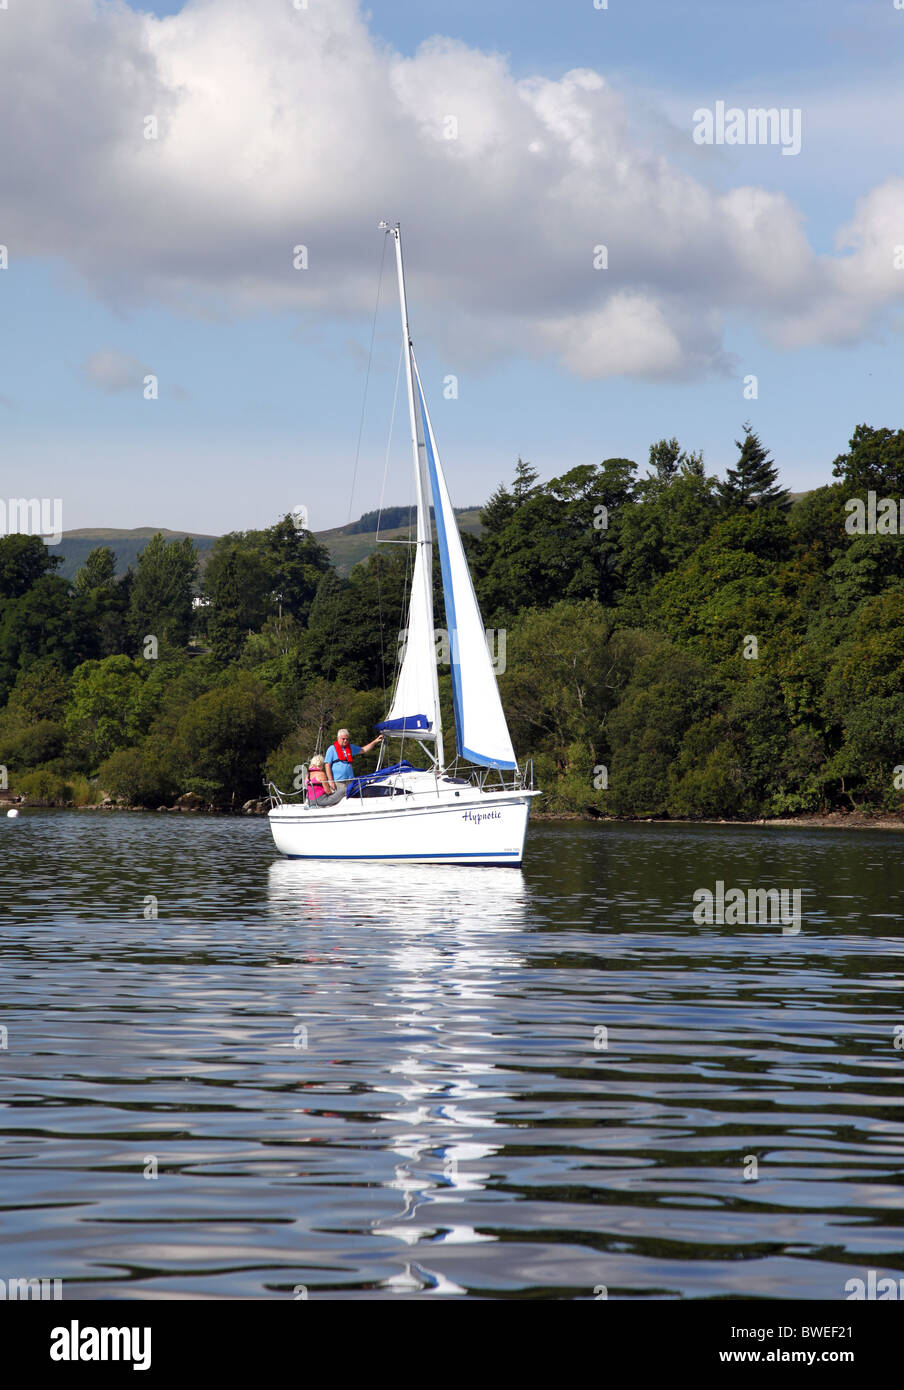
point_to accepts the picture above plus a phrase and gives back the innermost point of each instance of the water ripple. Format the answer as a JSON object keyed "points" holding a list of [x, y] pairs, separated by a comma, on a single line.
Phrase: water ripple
{"points": [[411, 1081]]}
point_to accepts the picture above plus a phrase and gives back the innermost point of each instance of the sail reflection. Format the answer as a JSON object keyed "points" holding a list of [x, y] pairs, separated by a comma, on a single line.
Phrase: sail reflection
{"points": [[444, 940]]}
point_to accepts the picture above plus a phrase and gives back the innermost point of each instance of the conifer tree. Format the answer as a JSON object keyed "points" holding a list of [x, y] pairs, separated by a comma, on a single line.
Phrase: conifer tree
{"points": [[525, 478], [98, 571], [497, 512], [753, 482], [504, 502], [161, 597]]}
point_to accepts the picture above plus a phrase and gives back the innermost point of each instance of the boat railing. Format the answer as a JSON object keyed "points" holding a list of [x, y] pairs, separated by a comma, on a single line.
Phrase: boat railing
{"points": [[468, 774], [277, 797], [492, 779]]}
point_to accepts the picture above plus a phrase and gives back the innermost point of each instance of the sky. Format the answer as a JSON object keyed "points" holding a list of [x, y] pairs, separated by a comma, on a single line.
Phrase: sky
{"points": [[161, 164]]}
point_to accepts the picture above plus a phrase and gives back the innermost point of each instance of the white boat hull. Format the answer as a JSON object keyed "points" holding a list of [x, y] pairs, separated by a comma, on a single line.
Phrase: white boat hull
{"points": [[465, 827]]}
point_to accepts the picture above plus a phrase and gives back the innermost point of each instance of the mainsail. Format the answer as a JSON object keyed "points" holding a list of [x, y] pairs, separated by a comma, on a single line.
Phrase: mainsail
{"points": [[415, 704]]}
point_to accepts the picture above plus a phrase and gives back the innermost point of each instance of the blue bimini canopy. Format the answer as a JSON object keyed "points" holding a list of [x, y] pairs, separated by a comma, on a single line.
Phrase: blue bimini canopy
{"points": [[355, 784]]}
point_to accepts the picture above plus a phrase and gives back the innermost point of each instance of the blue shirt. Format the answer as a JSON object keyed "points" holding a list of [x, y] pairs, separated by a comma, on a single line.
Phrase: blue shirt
{"points": [[340, 770]]}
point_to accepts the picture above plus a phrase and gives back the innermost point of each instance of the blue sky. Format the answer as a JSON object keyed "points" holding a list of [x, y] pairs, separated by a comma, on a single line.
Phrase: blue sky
{"points": [[261, 378]]}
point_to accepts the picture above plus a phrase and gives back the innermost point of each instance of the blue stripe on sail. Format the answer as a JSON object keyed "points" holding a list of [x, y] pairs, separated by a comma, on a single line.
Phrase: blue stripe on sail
{"points": [[488, 762], [443, 542], [409, 723]]}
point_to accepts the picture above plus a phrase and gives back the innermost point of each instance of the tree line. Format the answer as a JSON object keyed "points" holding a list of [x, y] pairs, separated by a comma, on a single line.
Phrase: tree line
{"points": [[677, 645]]}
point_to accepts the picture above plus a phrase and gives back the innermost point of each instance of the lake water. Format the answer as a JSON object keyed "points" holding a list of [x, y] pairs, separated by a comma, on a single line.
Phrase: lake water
{"points": [[385, 1082]]}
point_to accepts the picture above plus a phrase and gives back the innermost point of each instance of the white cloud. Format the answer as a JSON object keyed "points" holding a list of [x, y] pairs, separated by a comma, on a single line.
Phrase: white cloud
{"points": [[279, 126], [112, 370], [628, 334]]}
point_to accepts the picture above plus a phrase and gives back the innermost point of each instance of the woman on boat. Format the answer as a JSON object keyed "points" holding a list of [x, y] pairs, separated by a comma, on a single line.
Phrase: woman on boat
{"points": [[319, 781]]}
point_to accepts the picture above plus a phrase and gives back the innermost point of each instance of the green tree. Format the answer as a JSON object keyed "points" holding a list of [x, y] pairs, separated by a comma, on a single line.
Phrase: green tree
{"points": [[525, 485], [107, 600], [869, 661], [173, 683], [873, 747], [556, 544], [728, 588], [31, 727], [659, 532], [753, 480], [587, 573], [556, 692], [31, 745], [223, 739], [669, 461], [47, 622], [666, 693], [23, 561], [664, 459], [98, 571], [497, 513], [238, 588], [353, 632], [874, 462], [296, 562], [161, 597], [866, 567], [40, 692], [138, 775], [101, 713], [816, 523]]}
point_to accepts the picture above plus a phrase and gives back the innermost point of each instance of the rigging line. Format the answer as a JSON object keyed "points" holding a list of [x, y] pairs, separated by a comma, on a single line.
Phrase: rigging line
{"points": [[370, 358], [407, 613], [395, 399], [406, 589], [351, 498]]}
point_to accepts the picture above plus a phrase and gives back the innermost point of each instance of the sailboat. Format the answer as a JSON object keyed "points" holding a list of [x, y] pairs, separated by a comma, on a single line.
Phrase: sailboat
{"points": [[475, 811]]}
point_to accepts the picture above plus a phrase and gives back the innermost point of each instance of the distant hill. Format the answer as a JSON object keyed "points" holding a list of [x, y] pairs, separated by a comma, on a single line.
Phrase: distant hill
{"points": [[347, 544], [76, 546]]}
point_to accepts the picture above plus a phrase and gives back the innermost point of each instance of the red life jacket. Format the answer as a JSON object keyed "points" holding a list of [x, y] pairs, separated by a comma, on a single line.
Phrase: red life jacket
{"points": [[345, 754]]}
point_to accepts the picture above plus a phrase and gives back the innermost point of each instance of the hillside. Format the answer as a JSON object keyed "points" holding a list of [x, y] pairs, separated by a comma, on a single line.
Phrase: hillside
{"points": [[346, 546], [76, 546]]}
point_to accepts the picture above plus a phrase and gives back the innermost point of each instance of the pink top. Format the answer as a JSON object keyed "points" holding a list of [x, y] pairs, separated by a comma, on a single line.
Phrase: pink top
{"points": [[316, 789]]}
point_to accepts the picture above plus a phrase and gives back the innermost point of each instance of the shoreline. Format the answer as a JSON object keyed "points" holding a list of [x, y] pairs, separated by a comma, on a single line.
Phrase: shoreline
{"points": [[815, 820], [809, 820]]}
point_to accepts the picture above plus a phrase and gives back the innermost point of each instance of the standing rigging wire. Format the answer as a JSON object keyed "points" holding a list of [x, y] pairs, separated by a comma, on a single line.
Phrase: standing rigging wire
{"points": [[407, 590], [351, 497], [395, 399]]}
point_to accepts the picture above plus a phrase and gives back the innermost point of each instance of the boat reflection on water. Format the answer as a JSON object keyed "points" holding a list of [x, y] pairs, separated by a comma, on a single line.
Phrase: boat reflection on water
{"points": [[403, 897], [431, 1050]]}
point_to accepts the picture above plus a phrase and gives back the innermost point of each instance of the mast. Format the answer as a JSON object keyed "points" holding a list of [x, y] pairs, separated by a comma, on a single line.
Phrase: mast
{"points": [[424, 541]]}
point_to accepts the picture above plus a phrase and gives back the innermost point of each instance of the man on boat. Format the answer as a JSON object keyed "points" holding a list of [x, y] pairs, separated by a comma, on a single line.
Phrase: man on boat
{"points": [[340, 754]]}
